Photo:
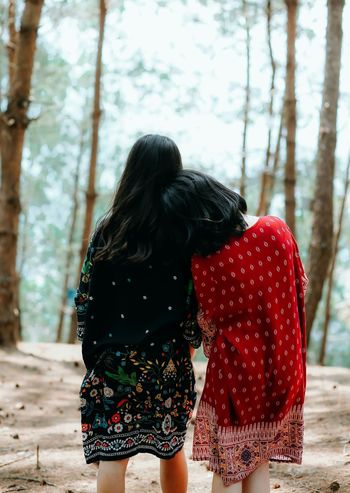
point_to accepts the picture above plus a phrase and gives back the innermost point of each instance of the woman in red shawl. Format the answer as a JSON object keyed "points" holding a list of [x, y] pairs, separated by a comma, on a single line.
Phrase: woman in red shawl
{"points": [[249, 282]]}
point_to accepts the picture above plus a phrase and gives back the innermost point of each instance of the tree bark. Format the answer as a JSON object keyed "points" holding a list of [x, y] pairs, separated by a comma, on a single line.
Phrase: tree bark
{"points": [[13, 123], [68, 260], [242, 187], [91, 192], [11, 45], [290, 113], [266, 175], [269, 179], [320, 249], [332, 267]]}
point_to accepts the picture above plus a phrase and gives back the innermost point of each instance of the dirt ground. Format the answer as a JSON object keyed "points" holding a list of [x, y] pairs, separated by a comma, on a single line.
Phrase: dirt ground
{"points": [[40, 445]]}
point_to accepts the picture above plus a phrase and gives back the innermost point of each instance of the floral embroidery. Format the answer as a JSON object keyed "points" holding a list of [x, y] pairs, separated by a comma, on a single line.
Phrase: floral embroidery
{"points": [[137, 400], [192, 332], [82, 296], [208, 332]]}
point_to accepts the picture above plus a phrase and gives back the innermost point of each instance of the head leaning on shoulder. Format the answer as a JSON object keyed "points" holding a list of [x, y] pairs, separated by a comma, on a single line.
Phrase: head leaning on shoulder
{"points": [[204, 213]]}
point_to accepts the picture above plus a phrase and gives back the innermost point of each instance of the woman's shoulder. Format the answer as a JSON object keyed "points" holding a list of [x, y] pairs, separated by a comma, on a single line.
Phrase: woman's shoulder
{"points": [[274, 223]]}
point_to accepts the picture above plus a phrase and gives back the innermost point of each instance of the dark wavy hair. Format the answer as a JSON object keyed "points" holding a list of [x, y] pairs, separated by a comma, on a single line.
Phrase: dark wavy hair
{"points": [[204, 213], [131, 230]]}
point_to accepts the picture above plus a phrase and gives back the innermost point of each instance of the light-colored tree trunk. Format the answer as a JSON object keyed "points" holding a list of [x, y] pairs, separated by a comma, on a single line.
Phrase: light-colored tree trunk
{"points": [[332, 268], [69, 254], [12, 42], [91, 191], [290, 114], [266, 175], [243, 179], [320, 250], [13, 123], [276, 162]]}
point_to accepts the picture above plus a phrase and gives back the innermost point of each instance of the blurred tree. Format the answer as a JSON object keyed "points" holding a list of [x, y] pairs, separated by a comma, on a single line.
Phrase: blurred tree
{"points": [[320, 249], [70, 246], [13, 123], [337, 236], [11, 45], [91, 191], [246, 15], [290, 115], [266, 176], [270, 183]]}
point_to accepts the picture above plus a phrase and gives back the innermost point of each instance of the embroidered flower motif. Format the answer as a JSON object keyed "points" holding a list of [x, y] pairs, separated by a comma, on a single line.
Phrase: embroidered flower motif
{"points": [[128, 418], [166, 425], [108, 392], [99, 422], [129, 442], [118, 427], [115, 418]]}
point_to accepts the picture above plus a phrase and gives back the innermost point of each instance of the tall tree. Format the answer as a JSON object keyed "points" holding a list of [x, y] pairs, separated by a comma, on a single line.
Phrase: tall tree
{"points": [[247, 98], [11, 45], [13, 124], [73, 224], [91, 191], [266, 175], [320, 250], [290, 114], [337, 236], [268, 179]]}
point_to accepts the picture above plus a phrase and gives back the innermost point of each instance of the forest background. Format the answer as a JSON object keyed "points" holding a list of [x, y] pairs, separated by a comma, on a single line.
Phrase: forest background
{"points": [[212, 75]]}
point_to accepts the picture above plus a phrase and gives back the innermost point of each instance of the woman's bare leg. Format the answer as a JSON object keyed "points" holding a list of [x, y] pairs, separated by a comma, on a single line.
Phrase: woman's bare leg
{"points": [[219, 487], [258, 481], [111, 476], [173, 474]]}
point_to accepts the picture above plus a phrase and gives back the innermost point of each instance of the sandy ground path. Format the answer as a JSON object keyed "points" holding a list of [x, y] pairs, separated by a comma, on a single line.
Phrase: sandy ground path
{"points": [[39, 408]]}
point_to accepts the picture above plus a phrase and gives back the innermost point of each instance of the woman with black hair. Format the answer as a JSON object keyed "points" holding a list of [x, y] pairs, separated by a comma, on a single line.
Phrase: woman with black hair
{"points": [[249, 282], [132, 303]]}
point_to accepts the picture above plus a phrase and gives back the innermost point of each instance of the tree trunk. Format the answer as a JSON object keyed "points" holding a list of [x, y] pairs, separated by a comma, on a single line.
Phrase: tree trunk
{"points": [[11, 45], [332, 268], [242, 187], [320, 249], [290, 113], [266, 175], [91, 193], [2, 50], [13, 123], [68, 260], [276, 162]]}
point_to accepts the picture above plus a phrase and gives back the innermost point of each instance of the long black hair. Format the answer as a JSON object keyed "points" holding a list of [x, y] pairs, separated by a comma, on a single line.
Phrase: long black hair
{"points": [[204, 213], [131, 229]]}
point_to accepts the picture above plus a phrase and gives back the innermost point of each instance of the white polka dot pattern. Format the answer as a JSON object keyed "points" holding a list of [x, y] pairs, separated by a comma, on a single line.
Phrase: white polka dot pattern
{"points": [[253, 323]]}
